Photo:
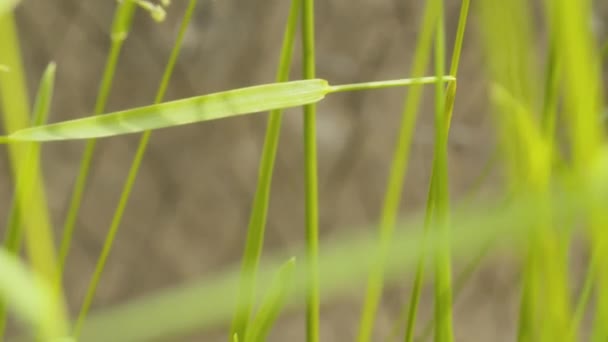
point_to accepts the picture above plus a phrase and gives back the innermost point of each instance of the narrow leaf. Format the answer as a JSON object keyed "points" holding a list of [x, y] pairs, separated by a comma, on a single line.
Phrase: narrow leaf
{"points": [[201, 108], [219, 105], [14, 230]]}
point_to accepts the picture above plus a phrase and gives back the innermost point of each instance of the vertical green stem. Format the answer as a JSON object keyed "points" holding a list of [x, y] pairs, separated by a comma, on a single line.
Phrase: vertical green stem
{"points": [[443, 276], [432, 194], [257, 220], [132, 175], [311, 191], [120, 28], [398, 170]]}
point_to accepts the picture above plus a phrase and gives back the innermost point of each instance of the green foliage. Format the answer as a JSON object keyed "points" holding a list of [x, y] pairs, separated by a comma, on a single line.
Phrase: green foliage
{"points": [[549, 185]]}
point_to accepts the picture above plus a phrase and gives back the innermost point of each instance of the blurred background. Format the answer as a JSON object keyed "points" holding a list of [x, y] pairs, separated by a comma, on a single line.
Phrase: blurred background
{"points": [[188, 213]]}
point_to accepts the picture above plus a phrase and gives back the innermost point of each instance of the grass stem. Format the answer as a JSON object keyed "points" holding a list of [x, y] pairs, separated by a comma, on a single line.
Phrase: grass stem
{"points": [[132, 175]]}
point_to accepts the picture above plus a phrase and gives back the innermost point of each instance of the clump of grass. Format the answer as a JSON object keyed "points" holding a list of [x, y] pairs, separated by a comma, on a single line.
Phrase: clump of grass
{"points": [[547, 188]]}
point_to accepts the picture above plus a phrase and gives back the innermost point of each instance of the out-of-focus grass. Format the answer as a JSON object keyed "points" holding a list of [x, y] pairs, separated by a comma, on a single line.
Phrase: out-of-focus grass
{"points": [[549, 185]]}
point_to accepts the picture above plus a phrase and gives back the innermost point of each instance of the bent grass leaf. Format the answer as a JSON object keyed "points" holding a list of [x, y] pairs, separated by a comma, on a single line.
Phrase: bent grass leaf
{"points": [[208, 303], [220, 105]]}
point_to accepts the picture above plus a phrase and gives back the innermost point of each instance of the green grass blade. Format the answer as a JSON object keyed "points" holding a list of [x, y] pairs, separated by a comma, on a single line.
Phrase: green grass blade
{"points": [[31, 298], [273, 96], [14, 231], [179, 310], [133, 170], [257, 220], [14, 101], [397, 174], [311, 207], [121, 26], [272, 304], [196, 109], [433, 199], [443, 271], [583, 89]]}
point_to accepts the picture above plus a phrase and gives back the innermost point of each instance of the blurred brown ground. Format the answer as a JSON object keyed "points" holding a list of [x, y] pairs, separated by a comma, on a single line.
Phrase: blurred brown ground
{"points": [[189, 209]]}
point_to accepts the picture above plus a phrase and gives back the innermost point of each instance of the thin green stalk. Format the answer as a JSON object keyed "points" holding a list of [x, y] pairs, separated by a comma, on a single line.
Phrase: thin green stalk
{"points": [[417, 289], [132, 175], [389, 84], [121, 26], [16, 115], [257, 220], [432, 194], [443, 277], [310, 177], [397, 173], [461, 279], [14, 230]]}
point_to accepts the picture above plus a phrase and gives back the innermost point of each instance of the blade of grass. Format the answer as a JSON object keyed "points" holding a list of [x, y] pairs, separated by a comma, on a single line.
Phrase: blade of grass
{"points": [[431, 198], [344, 264], [397, 174], [443, 269], [408, 312], [123, 17], [311, 208], [257, 220], [14, 101], [202, 108], [14, 231], [271, 304], [582, 98], [522, 138], [132, 175]]}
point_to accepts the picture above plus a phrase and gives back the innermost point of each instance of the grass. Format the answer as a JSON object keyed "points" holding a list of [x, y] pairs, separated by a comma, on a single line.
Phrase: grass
{"points": [[549, 182]]}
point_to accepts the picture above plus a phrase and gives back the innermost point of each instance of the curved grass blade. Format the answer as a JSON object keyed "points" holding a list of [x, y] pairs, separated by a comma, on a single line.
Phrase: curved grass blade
{"points": [[32, 299], [220, 105], [272, 304], [344, 262], [14, 231], [311, 186]]}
